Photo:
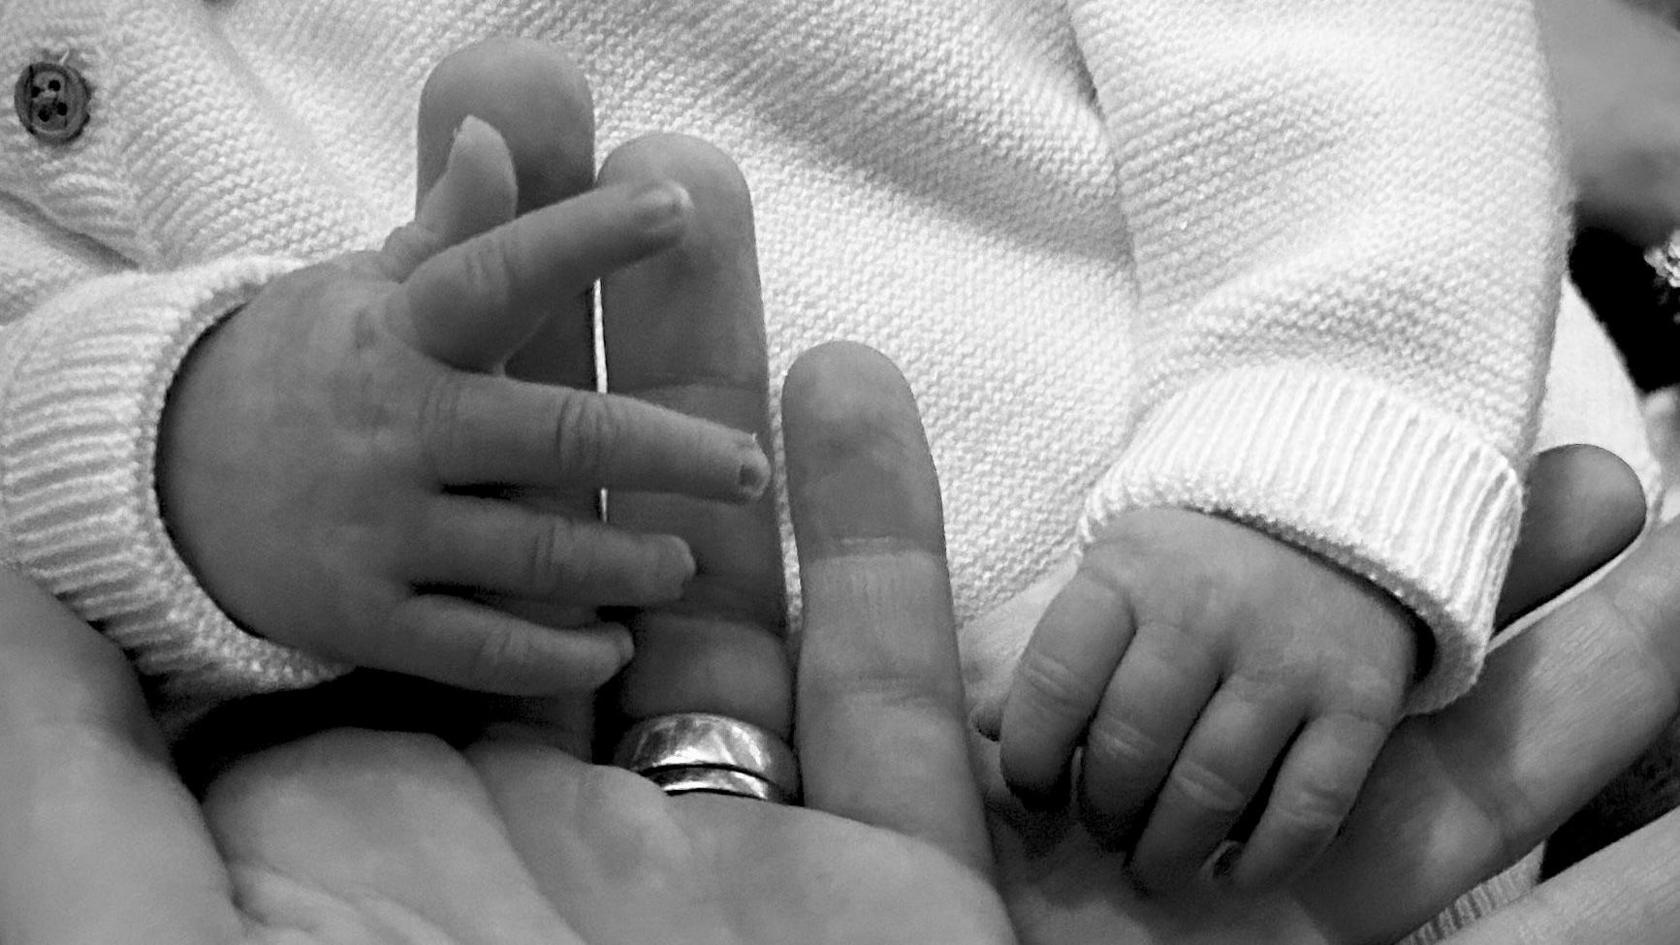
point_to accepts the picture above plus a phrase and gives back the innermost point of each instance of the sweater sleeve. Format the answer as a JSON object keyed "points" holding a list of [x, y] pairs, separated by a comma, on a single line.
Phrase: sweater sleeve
{"points": [[87, 351], [1346, 227]]}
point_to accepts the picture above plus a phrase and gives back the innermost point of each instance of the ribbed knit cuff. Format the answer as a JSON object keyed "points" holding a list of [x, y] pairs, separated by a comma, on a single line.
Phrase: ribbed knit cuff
{"points": [[1382, 486], [79, 419]]}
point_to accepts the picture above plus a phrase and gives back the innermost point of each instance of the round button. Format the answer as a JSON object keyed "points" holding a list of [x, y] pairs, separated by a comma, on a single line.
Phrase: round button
{"points": [[52, 101]]}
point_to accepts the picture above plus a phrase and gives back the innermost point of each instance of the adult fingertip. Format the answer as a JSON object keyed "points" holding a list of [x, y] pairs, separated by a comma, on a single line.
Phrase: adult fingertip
{"points": [[1585, 506], [535, 93], [859, 465]]}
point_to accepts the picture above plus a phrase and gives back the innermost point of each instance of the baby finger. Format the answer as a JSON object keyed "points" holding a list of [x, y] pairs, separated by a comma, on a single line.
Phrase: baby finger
{"points": [[459, 642], [511, 549], [1164, 681], [1315, 789], [489, 430], [472, 305], [1222, 767], [1058, 683]]}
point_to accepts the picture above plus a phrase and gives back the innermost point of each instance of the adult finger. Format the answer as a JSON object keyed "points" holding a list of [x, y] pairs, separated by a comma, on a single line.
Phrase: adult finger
{"points": [[97, 828], [529, 91], [1559, 710], [684, 329], [1585, 506], [537, 97], [475, 303], [489, 430], [882, 732]]}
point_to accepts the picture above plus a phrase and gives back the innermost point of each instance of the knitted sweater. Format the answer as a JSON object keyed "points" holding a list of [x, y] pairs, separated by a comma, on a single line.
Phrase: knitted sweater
{"points": [[1293, 261]]}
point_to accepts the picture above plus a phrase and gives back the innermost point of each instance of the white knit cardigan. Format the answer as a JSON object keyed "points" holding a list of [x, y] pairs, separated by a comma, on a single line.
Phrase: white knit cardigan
{"points": [[1293, 261]]}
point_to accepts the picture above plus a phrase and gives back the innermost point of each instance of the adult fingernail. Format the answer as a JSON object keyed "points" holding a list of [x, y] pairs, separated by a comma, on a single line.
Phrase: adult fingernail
{"points": [[661, 206], [755, 470]]}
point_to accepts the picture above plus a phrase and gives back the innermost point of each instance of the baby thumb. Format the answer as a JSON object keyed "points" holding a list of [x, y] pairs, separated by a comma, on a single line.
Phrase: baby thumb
{"points": [[476, 193]]}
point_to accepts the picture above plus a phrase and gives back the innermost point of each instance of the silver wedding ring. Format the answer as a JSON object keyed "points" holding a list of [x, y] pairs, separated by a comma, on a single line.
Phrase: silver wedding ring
{"points": [[699, 752]]}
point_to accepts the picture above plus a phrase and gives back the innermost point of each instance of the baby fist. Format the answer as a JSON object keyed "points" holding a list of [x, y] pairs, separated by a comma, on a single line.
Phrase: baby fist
{"points": [[1216, 678]]}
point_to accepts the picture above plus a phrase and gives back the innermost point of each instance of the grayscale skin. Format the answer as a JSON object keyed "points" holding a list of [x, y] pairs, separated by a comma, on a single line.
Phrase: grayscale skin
{"points": [[353, 835]]}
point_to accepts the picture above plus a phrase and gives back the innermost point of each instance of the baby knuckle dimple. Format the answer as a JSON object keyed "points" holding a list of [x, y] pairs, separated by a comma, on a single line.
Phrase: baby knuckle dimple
{"points": [[498, 657], [1276, 688], [1056, 685], [1364, 707], [1124, 747], [441, 433], [1316, 805], [551, 570], [1180, 648], [583, 435], [486, 270], [1205, 787]]}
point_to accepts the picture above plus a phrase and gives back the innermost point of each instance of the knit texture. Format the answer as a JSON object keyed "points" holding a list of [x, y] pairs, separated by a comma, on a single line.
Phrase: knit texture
{"points": [[1292, 261], [1288, 262]]}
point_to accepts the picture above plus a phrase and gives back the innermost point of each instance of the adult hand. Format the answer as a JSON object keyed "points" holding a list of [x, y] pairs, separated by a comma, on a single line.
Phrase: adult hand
{"points": [[682, 329], [101, 835], [350, 836], [1616, 71], [891, 847], [1580, 493], [356, 836]]}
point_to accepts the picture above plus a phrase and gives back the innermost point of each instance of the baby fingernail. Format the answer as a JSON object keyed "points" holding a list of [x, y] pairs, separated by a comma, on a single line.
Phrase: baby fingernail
{"points": [[755, 471], [685, 559], [679, 561], [661, 206], [1224, 861]]}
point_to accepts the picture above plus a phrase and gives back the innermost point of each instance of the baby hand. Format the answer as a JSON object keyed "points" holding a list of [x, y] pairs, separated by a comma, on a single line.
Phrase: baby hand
{"points": [[334, 455], [1214, 675]]}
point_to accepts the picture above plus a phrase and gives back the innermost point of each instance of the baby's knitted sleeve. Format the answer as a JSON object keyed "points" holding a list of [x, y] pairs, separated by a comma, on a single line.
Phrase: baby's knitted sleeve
{"points": [[1347, 224], [87, 350]]}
